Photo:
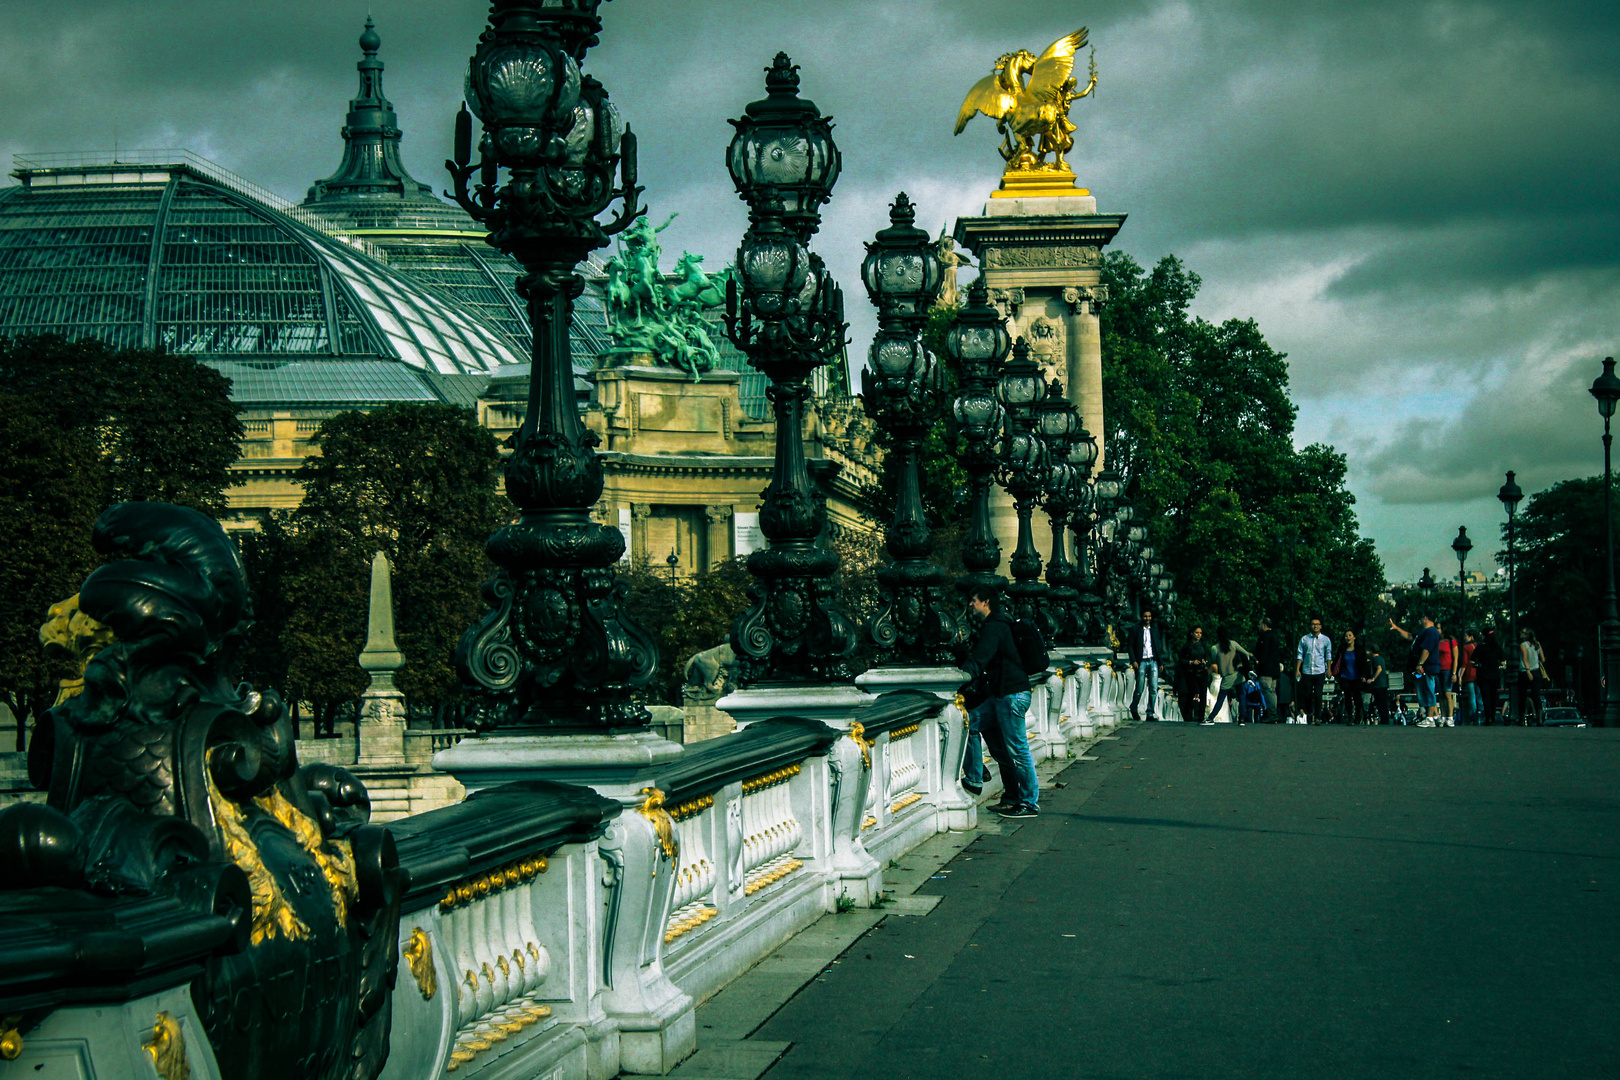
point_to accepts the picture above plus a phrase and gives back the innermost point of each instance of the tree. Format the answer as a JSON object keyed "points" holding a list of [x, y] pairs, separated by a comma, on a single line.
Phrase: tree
{"points": [[1562, 574], [685, 616], [418, 482], [162, 425], [1201, 428], [50, 495], [82, 426]]}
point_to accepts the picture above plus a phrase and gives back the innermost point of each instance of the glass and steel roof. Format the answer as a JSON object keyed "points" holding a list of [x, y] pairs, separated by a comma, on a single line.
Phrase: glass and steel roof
{"points": [[175, 252]]}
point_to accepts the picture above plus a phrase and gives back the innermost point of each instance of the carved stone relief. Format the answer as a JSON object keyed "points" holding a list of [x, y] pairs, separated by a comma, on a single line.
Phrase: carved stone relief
{"points": [[1040, 258]]}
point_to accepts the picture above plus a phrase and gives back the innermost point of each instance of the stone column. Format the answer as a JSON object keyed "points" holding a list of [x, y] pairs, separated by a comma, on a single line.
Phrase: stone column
{"points": [[639, 513], [380, 755], [1041, 260], [719, 519]]}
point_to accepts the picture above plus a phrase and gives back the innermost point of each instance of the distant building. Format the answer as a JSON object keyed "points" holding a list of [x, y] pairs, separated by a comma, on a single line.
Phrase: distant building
{"points": [[373, 291]]}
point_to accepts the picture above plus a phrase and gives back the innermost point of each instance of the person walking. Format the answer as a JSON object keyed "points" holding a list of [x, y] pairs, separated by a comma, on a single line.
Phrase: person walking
{"points": [[1268, 664], [996, 676], [1423, 661], [1488, 660], [1468, 679], [1312, 660], [1375, 678], [1197, 662], [1145, 647], [1446, 687], [1347, 672], [1229, 667], [1532, 677]]}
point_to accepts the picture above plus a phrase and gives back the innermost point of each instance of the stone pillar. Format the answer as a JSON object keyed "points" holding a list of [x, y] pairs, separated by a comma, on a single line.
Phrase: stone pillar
{"points": [[1041, 260], [380, 735], [719, 519]]}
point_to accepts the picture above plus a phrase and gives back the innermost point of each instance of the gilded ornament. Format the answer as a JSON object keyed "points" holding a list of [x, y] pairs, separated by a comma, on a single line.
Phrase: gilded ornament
{"points": [[652, 808], [273, 916], [900, 733], [418, 953], [11, 1043], [335, 860], [512, 874], [70, 632], [857, 732], [167, 1045], [1036, 109]]}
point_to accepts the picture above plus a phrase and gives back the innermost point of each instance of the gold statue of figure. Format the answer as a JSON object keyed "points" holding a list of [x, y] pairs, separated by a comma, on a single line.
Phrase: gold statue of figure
{"points": [[1036, 110]]}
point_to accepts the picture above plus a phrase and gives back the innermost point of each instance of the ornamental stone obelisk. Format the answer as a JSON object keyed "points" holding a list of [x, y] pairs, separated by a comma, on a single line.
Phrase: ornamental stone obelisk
{"points": [[380, 755], [1040, 239]]}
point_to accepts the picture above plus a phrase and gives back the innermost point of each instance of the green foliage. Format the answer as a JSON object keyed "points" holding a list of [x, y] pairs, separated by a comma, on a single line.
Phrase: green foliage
{"points": [[1562, 574], [82, 426], [685, 616], [1201, 428], [162, 425], [50, 495], [418, 482]]}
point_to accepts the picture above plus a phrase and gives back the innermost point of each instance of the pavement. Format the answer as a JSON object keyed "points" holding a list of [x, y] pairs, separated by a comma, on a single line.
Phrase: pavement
{"points": [[1272, 901]]}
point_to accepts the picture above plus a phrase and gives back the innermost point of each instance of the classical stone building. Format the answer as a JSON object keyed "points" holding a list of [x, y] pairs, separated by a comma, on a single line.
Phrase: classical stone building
{"points": [[373, 292]]}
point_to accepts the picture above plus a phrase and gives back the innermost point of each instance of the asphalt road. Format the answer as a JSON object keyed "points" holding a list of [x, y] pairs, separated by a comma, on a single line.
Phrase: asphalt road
{"points": [[1248, 902]]}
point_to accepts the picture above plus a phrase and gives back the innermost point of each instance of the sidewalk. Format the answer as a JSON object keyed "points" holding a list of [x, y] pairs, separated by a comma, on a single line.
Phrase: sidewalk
{"points": [[728, 1022]]}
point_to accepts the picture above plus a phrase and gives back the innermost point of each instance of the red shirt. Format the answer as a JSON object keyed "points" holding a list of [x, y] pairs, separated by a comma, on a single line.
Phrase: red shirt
{"points": [[1446, 647], [1468, 669]]}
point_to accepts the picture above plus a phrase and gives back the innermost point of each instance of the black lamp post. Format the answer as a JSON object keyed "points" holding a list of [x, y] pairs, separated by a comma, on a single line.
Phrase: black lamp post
{"points": [[1096, 504], [1024, 465], [1060, 429], [1509, 494], [1462, 546], [555, 651], [1606, 388], [1426, 583], [901, 389], [787, 314], [978, 342]]}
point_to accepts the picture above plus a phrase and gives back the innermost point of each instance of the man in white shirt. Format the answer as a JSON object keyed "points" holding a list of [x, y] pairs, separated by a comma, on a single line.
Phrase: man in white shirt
{"points": [[1311, 663], [1145, 647]]}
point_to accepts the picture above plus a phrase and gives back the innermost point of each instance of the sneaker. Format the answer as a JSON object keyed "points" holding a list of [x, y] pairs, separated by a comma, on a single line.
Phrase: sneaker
{"points": [[972, 789], [1206, 723], [1019, 810], [1425, 722], [1451, 721]]}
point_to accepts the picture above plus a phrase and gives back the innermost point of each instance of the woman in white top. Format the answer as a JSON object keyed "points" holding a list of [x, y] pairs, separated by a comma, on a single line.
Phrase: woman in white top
{"points": [[1229, 670], [1532, 676]]}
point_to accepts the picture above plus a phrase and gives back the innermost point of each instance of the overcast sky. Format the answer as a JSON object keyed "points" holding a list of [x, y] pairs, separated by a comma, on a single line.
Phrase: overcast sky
{"points": [[1417, 202]]}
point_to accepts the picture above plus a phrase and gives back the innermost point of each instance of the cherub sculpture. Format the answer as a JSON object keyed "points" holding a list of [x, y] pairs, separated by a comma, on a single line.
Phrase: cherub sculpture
{"points": [[1038, 109]]}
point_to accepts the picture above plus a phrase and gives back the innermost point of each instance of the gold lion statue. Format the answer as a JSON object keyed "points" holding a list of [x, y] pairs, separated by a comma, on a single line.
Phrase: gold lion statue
{"points": [[1036, 109]]}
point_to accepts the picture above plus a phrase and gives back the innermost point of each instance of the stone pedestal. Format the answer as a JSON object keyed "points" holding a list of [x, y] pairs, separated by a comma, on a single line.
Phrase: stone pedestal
{"points": [[832, 704], [1041, 260]]}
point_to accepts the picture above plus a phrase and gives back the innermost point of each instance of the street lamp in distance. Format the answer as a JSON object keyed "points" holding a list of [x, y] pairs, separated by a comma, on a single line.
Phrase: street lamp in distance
{"points": [[1510, 494], [1606, 389], [1462, 546]]}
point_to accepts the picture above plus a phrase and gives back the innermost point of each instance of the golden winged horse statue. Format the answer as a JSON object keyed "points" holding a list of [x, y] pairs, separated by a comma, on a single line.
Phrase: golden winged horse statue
{"points": [[1038, 109]]}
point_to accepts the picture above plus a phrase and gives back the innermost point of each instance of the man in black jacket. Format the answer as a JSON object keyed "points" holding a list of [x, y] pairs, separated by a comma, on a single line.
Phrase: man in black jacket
{"points": [[998, 696], [1268, 663], [1145, 646]]}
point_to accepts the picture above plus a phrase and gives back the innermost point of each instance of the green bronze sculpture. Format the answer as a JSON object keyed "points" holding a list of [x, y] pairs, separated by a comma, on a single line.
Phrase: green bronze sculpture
{"points": [[651, 314]]}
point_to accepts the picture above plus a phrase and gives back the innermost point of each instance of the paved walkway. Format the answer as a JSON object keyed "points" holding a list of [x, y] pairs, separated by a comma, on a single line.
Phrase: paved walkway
{"points": [[1289, 902]]}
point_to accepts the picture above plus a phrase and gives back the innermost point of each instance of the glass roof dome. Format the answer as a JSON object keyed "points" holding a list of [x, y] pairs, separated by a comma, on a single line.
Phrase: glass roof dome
{"points": [[169, 250]]}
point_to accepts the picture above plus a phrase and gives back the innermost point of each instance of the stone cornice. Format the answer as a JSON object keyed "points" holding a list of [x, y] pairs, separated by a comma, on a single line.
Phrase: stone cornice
{"points": [[1038, 230]]}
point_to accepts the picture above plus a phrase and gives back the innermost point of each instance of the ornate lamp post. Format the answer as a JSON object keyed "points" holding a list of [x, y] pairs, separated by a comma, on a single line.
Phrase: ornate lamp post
{"points": [[1024, 462], [978, 342], [1510, 494], [901, 389], [787, 314], [555, 651], [1096, 505], [1462, 546], [1606, 389], [1066, 441], [1426, 583]]}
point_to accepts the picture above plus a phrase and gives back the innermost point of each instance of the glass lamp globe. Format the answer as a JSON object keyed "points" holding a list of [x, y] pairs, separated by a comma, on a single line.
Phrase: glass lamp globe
{"points": [[902, 271], [783, 147]]}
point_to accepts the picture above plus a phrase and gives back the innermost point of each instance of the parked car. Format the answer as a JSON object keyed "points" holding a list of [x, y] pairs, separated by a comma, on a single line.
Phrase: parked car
{"points": [[1563, 716]]}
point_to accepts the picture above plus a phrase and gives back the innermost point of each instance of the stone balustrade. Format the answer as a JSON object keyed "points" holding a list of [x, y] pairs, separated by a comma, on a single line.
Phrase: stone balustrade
{"points": [[568, 930]]}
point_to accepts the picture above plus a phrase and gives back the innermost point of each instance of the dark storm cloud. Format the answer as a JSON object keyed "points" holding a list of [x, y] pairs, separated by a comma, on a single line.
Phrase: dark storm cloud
{"points": [[1417, 198]]}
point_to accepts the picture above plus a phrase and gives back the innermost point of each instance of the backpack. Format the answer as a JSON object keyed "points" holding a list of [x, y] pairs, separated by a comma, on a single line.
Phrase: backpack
{"points": [[1031, 647]]}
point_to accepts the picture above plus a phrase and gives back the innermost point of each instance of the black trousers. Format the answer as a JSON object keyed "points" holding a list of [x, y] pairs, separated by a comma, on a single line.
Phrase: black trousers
{"points": [[1310, 696], [1350, 711], [1380, 703], [1490, 708]]}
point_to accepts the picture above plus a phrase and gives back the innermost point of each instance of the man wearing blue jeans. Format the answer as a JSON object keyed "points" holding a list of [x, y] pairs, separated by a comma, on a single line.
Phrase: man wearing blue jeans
{"points": [[997, 677], [1145, 647], [1425, 665]]}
